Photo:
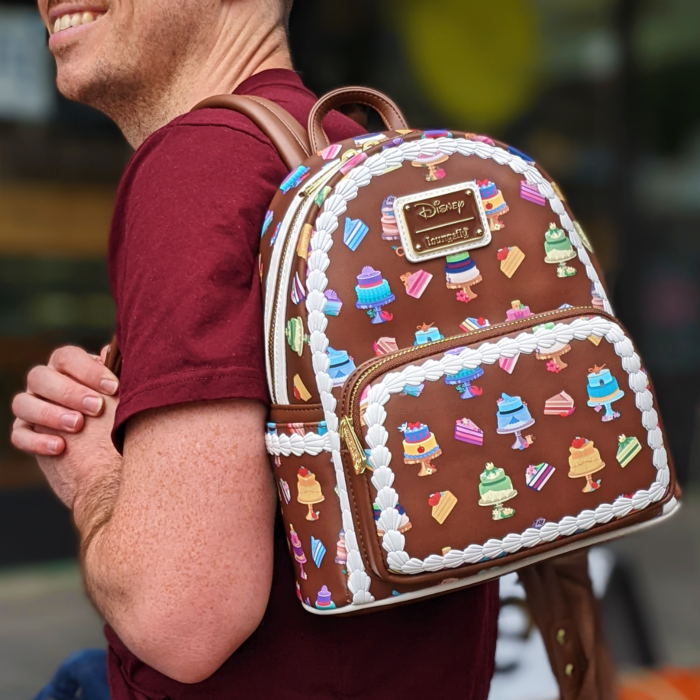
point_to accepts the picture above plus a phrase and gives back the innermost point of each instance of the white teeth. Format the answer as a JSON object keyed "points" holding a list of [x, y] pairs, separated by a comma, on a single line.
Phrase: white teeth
{"points": [[74, 20]]}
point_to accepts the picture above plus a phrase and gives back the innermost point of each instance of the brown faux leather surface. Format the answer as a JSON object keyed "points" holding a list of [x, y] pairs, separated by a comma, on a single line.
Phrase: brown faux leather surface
{"points": [[287, 135], [391, 115]]}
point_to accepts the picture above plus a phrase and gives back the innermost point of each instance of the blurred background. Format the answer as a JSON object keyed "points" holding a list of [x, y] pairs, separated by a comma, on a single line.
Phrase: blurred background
{"points": [[605, 94]]}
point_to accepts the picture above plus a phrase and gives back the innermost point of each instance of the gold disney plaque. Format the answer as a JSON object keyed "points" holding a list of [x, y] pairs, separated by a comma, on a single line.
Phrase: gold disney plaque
{"points": [[442, 222]]}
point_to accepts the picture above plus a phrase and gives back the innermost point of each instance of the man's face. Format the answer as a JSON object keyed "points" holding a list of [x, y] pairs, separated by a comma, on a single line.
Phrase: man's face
{"points": [[106, 50]]}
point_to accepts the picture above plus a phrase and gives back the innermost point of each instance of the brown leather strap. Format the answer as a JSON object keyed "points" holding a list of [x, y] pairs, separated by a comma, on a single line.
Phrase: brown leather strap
{"points": [[562, 603], [391, 115], [113, 361], [287, 135]]}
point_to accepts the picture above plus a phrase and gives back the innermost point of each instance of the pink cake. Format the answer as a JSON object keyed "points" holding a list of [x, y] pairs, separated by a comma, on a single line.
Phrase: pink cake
{"points": [[517, 311], [560, 405], [468, 431]]}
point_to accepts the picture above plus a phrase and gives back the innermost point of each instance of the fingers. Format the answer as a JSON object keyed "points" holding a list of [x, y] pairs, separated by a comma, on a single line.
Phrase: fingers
{"points": [[63, 390], [78, 364], [34, 410], [24, 438]]}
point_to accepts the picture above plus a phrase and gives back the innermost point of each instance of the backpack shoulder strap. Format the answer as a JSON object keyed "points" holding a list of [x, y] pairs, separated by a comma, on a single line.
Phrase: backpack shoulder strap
{"points": [[287, 135]]}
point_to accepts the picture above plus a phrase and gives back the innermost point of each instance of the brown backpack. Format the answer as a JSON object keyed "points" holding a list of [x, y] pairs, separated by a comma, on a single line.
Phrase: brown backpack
{"points": [[452, 397]]}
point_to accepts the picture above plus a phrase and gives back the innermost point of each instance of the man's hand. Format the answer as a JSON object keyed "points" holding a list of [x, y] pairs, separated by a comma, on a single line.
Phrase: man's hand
{"points": [[59, 396]]}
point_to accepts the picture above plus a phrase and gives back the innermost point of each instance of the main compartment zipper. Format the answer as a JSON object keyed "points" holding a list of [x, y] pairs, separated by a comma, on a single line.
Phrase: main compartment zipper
{"points": [[350, 424]]}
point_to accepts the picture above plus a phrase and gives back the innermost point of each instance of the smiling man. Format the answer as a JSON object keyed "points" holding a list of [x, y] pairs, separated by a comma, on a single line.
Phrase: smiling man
{"points": [[180, 552]]}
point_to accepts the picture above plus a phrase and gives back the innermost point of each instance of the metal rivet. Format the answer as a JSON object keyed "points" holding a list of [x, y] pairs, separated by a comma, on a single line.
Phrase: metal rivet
{"points": [[569, 670], [418, 247], [479, 231], [469, 193], [408, 206], [561, 637]]}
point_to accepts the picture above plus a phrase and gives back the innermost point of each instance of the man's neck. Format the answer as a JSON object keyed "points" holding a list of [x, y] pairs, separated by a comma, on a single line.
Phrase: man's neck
{"points": [[225, 67]]}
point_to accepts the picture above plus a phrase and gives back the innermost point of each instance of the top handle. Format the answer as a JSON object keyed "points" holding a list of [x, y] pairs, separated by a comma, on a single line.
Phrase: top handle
{"points": [[391, 115]]}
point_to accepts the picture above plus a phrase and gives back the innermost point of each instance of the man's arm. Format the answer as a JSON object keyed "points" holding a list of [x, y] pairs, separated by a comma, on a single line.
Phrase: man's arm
{"points": [[178, 557]]}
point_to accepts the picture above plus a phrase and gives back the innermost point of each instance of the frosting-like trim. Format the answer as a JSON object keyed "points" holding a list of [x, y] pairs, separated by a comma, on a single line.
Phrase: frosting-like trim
{"points": [[284, 445], [489, 353]]}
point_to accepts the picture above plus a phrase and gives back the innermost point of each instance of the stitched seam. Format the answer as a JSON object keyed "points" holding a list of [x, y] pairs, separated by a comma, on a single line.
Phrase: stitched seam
{"points": [[281, 119]]}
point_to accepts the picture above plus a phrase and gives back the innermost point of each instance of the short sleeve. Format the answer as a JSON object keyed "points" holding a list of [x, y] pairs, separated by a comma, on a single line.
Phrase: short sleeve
{"points": [[184, 267]]}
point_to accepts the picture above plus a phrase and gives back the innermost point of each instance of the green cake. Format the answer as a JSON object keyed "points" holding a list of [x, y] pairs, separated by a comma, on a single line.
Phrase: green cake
{"points": [[495, 486], [557, 246], [627, 449]]}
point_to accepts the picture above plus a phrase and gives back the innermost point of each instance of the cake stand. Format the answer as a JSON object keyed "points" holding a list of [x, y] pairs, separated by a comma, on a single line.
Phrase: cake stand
{"points": [[426, 466], [499, 512], [467, 294], [607, 403], [520, 442], [462, 381], [311, 501], [431, 163], [556, 364], [374, 310], [590, 484]]}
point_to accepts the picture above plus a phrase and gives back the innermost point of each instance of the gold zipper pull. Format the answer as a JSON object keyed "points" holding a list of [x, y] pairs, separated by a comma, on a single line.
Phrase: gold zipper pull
{"points": [[357, 452]]}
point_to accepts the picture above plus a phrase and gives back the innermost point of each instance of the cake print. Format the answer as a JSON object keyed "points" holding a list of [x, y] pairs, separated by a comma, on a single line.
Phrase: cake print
{"points": [[553, 353], [295, 178], [517, 311], [373, 293], [404, 523], [390, 230], [298, 551], [284, 491], [627, 449], [420, 447], [427, 334], [560, 405], [341, 366], [309, 492], [468, 431], [537, 475], [341, 553], [558, 250], [603, 391], [431, 163], [462, 274], [333, 303], [442, 504], [531, 193], [301, 393], [494, 204], [513, 417], [462, 381], [355, 232], [416, 282], [495, 489], [474, 324], [295, 335], [584, 461], [323, 599], [510, 258], [318, 551]]}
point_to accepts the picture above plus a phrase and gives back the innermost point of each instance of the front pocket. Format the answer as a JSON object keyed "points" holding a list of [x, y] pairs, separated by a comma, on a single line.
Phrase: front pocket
{"points": [[490, 445]]}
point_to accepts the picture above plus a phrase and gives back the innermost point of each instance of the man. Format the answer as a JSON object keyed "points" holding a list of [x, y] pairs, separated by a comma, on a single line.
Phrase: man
{"points": [[179, 549]]}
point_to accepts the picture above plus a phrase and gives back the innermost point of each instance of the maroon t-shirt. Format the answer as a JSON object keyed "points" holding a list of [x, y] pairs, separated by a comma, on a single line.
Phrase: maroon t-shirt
{"points": [[183, 268]]}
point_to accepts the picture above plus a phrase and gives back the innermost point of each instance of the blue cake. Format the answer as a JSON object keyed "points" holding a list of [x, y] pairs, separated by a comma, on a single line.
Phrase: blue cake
{"points": [[602, 387], [512, 415], [427, 334], [372, 289], [342, 366], [418, 442]]}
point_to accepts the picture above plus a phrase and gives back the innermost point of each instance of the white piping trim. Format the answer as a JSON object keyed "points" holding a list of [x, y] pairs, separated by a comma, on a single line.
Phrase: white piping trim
{"points": [[432, 370], [284, 445]]}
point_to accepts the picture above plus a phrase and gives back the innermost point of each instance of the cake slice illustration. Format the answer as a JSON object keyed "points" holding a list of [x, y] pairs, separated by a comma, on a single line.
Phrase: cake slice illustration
{"points": [[404, 523], [420, 447], [468, 431], [463, 379], [295, 335], [390, 230], [427, 333], [584, 461], [513, 417], [627, 449], [537, 475], [354, 233], [416, 282], [442, 504], [510, 258], [309, 492], [373, 293], [474, 324], [560, 405], [318, 551], [384, 346], [495, 489], [552, 353], [462, 274], [494, 204], [333, 303], [603, 391]]}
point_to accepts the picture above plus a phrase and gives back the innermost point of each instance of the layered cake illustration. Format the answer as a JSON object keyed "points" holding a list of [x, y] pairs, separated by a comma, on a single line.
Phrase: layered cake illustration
{"points": [[462, 381], [603, 391], [309, 492], [517, 311], [531, 193], [462, 274], [404, 523], [354, 233], [474, 324], [373, 293], [295, 334], [513, 417], [442, 504], [420, 447], [431, 163], [494, 204], [341, 367], [468, 431], [318, 551], [384, 346], [298, 550], [552, 353], [627, 449], [333, 303], [584, 461], [560, 405], [323, 599], [390, 230], [558, 250], [416, 282], [427, 333], [495, 489], [341, 553], [537, 475]]}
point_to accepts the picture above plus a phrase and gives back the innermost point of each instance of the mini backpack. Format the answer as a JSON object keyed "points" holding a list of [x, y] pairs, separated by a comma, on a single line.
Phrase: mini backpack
{"points": [[453, 398]]}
